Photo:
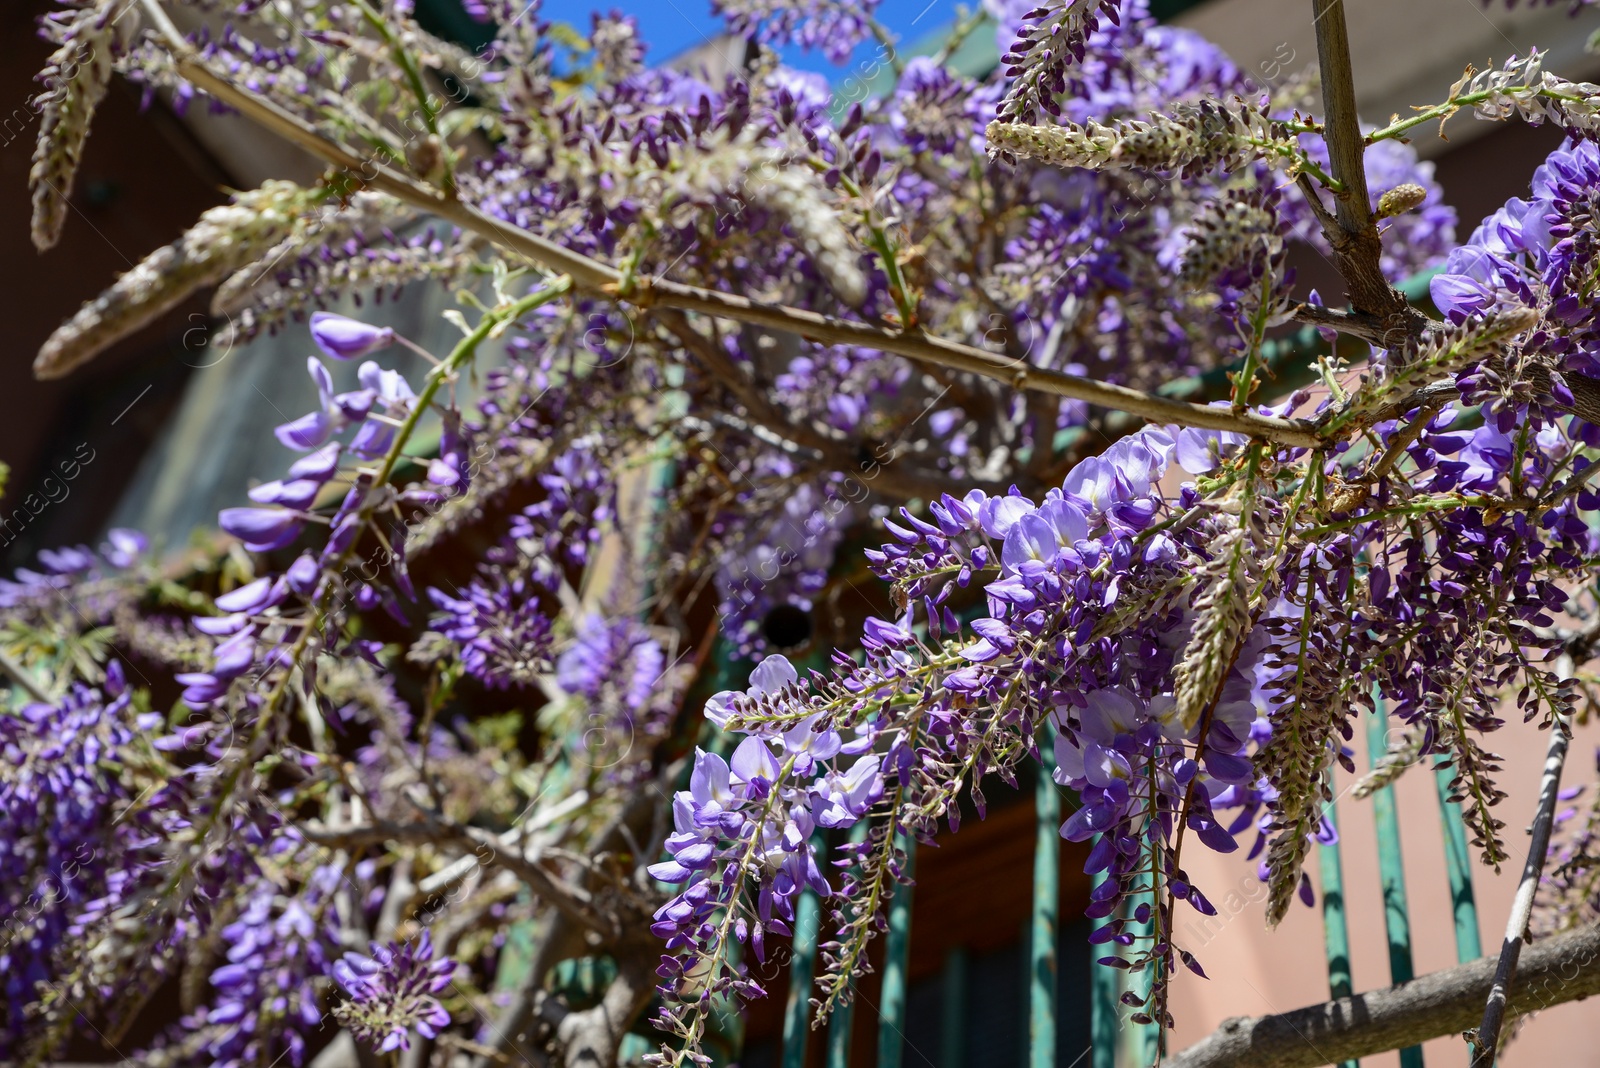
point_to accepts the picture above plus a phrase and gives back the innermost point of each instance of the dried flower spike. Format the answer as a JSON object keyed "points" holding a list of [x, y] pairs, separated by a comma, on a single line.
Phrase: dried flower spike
{"points": [[75, 83], [223, 240]]}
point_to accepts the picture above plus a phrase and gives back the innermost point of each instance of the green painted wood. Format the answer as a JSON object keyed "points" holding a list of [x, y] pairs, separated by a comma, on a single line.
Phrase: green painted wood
{"points": [[802, 966], [634, 1049], [1458, 864], [839, 1024], [839, 1028], [724, 1038], [1042, 970], [516, 955], [1144, 1040], [953, 998], [1335, 922], [1391, 871], [1103, 1005], [897, 950]]}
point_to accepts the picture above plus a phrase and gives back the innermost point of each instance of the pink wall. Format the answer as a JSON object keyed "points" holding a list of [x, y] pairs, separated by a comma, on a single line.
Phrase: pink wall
{"points": [[1254, 970]]}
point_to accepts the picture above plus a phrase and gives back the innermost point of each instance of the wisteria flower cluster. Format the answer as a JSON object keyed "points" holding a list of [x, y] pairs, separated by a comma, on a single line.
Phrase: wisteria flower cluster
{"points": [[558, 654], [392, 993]]}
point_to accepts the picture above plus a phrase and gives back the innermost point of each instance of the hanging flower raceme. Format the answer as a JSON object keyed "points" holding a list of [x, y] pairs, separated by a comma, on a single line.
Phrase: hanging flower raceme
{"points": [[501, 621], [755, 812], [1053, 36], [1083, 622], [77, 845], [1181, 630], [616, 669], [393, 993], [267, 994], [834, 26]]}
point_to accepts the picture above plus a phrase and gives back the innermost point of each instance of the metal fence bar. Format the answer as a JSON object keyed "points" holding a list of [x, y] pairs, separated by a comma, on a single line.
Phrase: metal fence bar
{"points": [[1042, 978], [1144, 1039], [802, 963], [1335, 922], [839, 1024], [1458, 864], [953, 1025], [1103, 992], [1391, 870], [897, 948]]}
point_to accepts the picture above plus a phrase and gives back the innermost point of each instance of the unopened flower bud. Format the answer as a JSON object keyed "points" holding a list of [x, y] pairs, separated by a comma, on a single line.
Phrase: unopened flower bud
{"points": [[1401, 199], [346, 339]]}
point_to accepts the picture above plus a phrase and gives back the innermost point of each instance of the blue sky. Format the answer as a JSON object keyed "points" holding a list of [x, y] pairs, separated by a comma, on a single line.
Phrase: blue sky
{"points": [[670, 26]]}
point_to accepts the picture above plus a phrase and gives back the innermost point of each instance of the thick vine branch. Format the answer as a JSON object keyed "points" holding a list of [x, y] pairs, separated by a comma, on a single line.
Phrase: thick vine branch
{"points": [[1357, 247], [645, 293], [1356, 324], [1562, 968]]}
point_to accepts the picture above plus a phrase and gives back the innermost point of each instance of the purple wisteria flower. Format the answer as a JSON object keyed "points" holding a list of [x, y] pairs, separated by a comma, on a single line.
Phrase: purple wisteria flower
{"points": [[612, 662], [266, 995], [124, 547], [392, 399], [66, 850], [334, 412], [834, 26], [392, 993], [757, 811], [501, 621], [1536, 253], [348, 339]]}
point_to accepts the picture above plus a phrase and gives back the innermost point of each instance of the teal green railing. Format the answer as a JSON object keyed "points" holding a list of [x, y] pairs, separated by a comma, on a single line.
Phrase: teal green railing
{"points": [[797, 1010], [1042, 977], [1335, 926], [1391, 871], [953, 1024], [896, 954], [1104, 1006], [1458, 865]]}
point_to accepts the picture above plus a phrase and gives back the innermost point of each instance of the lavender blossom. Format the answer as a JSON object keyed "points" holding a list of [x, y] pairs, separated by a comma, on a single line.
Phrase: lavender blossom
{"points": [[347, 339], [391, 993], [834, 26]]}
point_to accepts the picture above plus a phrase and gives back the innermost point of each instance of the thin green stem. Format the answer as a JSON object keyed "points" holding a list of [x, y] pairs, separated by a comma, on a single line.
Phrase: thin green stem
{"points": [[889, 43], [1457, 103], [1244, 381], [407, 63]]}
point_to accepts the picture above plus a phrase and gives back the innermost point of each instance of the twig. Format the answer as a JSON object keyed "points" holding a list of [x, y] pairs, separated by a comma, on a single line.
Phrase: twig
{"points": [[1365, 327], [518, 837], [20, 676], [1486, 1042], [574, 902], [1340, 125], [1402, 441], [605, 280]]}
